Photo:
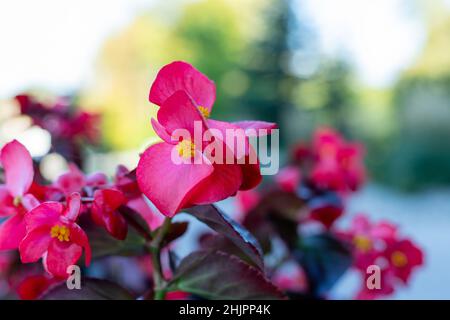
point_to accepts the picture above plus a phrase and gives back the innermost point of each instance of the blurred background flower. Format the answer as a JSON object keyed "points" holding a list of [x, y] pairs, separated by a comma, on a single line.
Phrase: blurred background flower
{"points": [[379, 72]]}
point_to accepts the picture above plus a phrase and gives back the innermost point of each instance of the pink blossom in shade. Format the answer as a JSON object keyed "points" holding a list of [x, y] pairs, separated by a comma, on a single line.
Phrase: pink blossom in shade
{"points": [[338, 165], [15, 199], [168, 185], [368, 239], [54, 235], [288, 178], [294, 280], [181, 76], [74, 180], [104, 212], [247, 200], [34, 286], [403, 257], [387, 286]]}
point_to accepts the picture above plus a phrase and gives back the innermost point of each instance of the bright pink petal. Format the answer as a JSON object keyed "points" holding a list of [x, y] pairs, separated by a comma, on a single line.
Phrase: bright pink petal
{"points": [[12, 231], [35, 244], [166, 184], [7, 207], [221, 184], [60, 256], [18, 165], [256, 128], [79, 237], [73, 206], [180, 112], [104, 212], [251, 173], [161, 131], [233, 136], [46, 214], [182, 76], [29, 202]]}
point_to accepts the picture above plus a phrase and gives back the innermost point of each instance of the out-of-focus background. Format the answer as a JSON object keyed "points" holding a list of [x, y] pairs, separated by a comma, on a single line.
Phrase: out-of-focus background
{"points": [[379, 71]]}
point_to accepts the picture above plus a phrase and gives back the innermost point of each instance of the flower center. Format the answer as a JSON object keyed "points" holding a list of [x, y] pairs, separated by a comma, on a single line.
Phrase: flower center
{"points": [[362, 243], [60, 232], [203, 111], [17, 201], [186, 149], [399, 259]]}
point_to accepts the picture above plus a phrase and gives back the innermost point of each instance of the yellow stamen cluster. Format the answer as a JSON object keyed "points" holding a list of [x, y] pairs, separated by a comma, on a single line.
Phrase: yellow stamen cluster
{"points": [[362, 243], [60, 232], [399, 259], [204, 111], [186, 149], [17, 201]]}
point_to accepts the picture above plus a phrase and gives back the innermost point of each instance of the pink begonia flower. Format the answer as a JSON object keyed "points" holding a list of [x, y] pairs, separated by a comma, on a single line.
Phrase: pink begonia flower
{"points": [[170, 186], [74, 180], [182, 76], [54, 235], [104, 212], [338, 164], [15, 199], [403, 256], [288, 178], [368, 239]]}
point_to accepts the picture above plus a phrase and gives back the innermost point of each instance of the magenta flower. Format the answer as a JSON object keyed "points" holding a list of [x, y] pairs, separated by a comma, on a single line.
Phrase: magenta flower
{"points": [[369, 239], [338, 164], [181, 76], [15, 199], [168, 185], [403, 256], [104, 212], [52, 234], [288, 178]]}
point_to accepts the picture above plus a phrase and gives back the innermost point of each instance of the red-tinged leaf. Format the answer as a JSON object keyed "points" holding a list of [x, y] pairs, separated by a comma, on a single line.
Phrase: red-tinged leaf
{"points": [[136, 221], [324, 259], [224, 225], [176, 230], [91, 289], [103, 244], [217, 275]]}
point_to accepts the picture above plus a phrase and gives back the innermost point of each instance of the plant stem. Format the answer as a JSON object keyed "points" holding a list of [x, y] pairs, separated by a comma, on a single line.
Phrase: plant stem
{"points": [[155, 248]]}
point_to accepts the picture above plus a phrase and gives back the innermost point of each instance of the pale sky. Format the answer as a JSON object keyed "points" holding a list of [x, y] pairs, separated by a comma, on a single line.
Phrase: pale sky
{"points": [[53, 44]]}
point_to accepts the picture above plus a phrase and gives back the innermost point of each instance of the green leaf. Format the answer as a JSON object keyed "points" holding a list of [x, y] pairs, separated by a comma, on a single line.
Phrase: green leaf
{"points": [[91, 289], [217, 275], [224, 225]]}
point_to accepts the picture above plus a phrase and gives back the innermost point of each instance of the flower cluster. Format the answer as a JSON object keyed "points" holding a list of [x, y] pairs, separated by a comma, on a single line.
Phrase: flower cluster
{"points": [[380, 244], [301, 209], [41, 221], [69, 127]]}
